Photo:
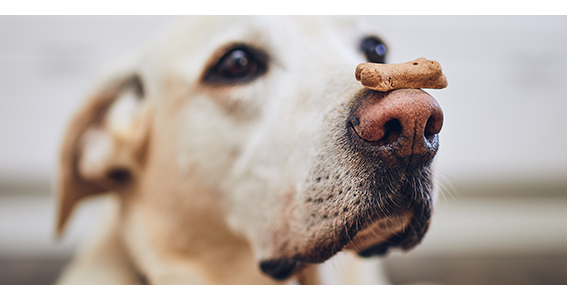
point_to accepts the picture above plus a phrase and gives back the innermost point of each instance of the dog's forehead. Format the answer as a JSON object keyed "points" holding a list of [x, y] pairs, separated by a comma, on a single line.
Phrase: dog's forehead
{"points": [[208, 29], [188, 44]]}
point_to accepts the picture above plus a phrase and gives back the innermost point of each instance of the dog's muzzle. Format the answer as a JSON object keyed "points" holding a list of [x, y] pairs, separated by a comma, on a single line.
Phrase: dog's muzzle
{"points": [[390, 139], [400, 130]]}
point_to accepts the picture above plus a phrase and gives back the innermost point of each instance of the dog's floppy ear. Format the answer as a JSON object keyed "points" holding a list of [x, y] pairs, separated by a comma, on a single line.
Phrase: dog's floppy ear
{"points": [[105, 145]]}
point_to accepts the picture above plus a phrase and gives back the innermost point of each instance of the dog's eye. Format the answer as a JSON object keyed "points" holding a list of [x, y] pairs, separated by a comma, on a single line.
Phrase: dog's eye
{"points": [[241, 64], [374, 49]]}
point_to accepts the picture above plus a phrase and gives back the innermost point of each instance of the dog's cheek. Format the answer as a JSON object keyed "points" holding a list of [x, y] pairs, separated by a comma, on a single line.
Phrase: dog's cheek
{"points": [[207, 141]]}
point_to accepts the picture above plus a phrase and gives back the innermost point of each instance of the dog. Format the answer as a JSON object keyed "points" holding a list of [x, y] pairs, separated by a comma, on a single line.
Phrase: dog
{"points": [[237, 150]]}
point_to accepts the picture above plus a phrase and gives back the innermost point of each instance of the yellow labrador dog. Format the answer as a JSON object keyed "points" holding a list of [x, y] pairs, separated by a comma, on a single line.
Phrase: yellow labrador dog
{"points": [[241, 150]]}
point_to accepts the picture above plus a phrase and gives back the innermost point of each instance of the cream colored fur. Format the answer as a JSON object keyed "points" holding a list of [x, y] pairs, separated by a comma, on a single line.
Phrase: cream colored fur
{"points": [[216, 173]]}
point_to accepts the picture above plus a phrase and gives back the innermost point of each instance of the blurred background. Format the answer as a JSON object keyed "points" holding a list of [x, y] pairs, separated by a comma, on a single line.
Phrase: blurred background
{"points": [[501, 217]]}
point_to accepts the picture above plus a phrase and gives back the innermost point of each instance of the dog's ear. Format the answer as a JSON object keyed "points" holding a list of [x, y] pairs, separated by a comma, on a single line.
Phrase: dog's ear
{"points": [[105, 145]]}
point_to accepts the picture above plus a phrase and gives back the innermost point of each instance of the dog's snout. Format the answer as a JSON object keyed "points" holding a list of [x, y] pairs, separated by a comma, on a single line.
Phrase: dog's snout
{"points": [[398, 124]]}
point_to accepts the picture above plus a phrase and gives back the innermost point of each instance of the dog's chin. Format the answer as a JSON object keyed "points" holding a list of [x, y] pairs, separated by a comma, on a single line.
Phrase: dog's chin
{"points": [[374, 240], [401, 231], [369, 234]]}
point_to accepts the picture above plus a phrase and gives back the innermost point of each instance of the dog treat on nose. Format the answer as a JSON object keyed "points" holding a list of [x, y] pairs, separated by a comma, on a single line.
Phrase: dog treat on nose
{"points": [[418, 74]]}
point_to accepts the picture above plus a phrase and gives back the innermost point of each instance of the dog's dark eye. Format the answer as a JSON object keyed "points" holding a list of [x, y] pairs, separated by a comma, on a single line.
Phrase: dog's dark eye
{"points": [[374, 49], [241, 64]]}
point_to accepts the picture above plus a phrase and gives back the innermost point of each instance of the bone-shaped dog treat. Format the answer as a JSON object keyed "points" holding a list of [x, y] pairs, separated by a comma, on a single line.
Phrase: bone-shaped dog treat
{"points": [[418, 74]]}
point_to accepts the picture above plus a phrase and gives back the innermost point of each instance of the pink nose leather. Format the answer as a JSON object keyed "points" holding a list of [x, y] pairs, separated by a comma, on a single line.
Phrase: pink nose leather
{"points": [[405, 121]]}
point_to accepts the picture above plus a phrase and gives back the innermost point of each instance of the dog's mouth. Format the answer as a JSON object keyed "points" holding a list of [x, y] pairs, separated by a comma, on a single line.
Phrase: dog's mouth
{"points": [[377, 237], [379, 224], [404, 231]]}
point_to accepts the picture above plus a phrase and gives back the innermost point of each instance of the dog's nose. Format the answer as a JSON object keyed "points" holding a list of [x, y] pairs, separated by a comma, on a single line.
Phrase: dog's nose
{"points": [[398, 124]]}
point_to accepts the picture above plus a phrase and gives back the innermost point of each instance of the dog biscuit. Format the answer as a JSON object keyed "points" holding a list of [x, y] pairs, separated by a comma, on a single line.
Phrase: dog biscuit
{"points": [[418, 74]]}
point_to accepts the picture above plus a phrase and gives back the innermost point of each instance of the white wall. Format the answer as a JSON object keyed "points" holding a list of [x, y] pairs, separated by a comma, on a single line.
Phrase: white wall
{"points": [[506, 101], [47, 64], [504, 108]]}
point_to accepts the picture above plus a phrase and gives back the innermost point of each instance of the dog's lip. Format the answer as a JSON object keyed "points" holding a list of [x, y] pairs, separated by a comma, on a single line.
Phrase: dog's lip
{"points": [[379, 232]]}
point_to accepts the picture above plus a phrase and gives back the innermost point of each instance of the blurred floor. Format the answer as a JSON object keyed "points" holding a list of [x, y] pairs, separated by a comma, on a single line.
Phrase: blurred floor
{"points": [[525, 270], [30, 270]]}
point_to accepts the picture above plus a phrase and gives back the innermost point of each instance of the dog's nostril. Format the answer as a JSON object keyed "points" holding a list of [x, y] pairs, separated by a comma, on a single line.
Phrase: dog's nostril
{"points": [[429, 130], [392, 130], [355, 121], [433, 126]]}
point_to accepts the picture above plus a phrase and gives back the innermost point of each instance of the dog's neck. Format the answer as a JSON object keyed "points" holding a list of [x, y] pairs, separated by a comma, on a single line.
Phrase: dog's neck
{"points": [[200, 249]]}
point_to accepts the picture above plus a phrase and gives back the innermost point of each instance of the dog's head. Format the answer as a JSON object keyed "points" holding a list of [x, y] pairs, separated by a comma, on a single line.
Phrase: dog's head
{"points": [[254, 129]]}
